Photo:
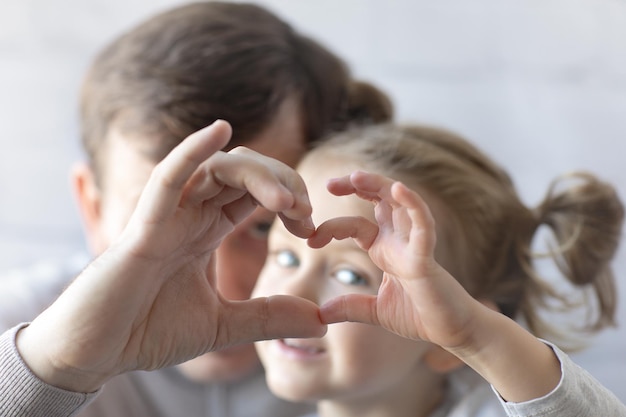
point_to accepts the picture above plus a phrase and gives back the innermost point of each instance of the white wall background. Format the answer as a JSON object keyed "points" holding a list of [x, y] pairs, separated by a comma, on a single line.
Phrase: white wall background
{"points": [[539, 84]]}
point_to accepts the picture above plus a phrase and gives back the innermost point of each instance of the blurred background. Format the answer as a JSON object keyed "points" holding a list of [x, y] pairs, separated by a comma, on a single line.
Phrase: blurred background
{"points": [[538, 84]]}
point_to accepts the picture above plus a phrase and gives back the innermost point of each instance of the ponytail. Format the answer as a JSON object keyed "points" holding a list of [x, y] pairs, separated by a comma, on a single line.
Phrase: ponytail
{"points": [[585, 218]]}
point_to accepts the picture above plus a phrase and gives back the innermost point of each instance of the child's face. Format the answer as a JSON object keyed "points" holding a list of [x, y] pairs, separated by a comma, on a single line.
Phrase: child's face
{"points": [[353, 362]]}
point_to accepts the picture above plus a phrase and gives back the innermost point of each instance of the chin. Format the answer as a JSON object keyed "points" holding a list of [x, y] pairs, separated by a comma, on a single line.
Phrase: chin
{"points": [[227, 366], [294, 388]]}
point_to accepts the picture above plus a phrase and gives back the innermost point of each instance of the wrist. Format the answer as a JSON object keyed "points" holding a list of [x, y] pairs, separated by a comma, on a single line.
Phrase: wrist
{"points": [[517, 364], [38, 356], [478, 333]]}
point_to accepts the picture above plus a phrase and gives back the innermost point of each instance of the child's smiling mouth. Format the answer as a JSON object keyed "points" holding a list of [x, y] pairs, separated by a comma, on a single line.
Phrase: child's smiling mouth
{"points": [[300, 348]]}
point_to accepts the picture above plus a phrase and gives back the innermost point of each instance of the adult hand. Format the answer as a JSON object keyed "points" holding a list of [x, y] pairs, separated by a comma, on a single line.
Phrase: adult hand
{"points": [[150, 300]]}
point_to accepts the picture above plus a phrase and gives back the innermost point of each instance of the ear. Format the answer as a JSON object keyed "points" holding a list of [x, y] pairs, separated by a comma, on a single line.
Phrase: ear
{"points": [[89, 199], [440, 360]]}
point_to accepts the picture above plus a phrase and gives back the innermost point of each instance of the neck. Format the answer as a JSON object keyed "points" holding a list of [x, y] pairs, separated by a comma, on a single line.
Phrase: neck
{"points": [[408, 400]]}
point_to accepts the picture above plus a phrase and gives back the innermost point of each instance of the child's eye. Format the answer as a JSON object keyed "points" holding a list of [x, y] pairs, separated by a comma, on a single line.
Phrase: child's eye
{"points": [[287, 259], [349, 277]]}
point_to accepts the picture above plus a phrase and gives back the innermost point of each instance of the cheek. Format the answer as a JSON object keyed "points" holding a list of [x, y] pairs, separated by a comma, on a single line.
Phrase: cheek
{"points": [[239, 261], [265, 284], [357, 344], [367, 355]]}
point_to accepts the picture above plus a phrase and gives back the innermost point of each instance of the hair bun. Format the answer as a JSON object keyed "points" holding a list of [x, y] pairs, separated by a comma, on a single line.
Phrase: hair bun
{"points": [[367, 104]]}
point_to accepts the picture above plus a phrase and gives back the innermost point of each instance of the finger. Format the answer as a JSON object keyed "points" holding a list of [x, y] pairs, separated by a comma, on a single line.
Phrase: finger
{"points": [[202, 185], [273, 185], [263, 177], [372, 184], [269, 183], [207, 192], [302, 228], [351, 307], [241, 171], [408, 198], [240, 208], [424, 230], [360, 229], [164, 189], [274, 317], [340, 186], [368, 186]]}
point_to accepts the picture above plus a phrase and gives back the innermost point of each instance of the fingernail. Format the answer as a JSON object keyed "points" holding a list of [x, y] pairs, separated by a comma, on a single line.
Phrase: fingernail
{"points": [[308, 223]]}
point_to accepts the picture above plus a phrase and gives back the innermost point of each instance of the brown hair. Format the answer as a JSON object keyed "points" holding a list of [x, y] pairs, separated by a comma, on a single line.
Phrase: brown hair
{"points": [[186, 67], [491, 231]]}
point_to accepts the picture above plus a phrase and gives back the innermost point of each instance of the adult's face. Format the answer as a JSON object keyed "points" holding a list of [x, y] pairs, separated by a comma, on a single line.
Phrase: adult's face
{"points": [[240, 257]]}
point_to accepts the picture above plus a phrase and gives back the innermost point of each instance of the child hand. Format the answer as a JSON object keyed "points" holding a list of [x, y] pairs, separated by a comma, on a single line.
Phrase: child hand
{"points": [[417, 299], [150, 300]]}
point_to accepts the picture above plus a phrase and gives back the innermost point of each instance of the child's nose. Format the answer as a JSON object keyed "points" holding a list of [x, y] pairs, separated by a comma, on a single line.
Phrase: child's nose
{"points": [[304, 285]]}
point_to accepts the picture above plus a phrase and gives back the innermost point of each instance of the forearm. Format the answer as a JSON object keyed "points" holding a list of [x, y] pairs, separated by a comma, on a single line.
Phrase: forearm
{"points": [[517, 364], [22, 394]]}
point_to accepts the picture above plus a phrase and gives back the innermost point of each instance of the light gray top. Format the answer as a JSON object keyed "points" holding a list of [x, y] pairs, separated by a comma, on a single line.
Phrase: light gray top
{"points": [[23, 394], [577, 394], [162, 393], [166, 393]]}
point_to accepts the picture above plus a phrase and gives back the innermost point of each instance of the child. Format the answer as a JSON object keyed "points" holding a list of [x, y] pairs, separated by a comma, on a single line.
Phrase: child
{"points": [[397, 273]]}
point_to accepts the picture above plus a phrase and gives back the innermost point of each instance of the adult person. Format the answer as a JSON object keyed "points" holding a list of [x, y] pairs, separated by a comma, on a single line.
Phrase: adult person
{"points": [[157, 84], [152, 298]]}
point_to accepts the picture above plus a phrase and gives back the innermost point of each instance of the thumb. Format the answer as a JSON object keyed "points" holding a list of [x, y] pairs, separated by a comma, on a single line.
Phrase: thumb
{"points": [[352, 307], [275, 317]]}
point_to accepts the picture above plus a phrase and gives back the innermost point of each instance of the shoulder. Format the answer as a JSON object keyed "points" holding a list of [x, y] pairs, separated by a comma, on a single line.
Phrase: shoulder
{"points": [[26, 292], [45, 271]]}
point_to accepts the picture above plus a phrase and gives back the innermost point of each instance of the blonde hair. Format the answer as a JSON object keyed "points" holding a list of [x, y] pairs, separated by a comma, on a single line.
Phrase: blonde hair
{"points": [[492, 231]]}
